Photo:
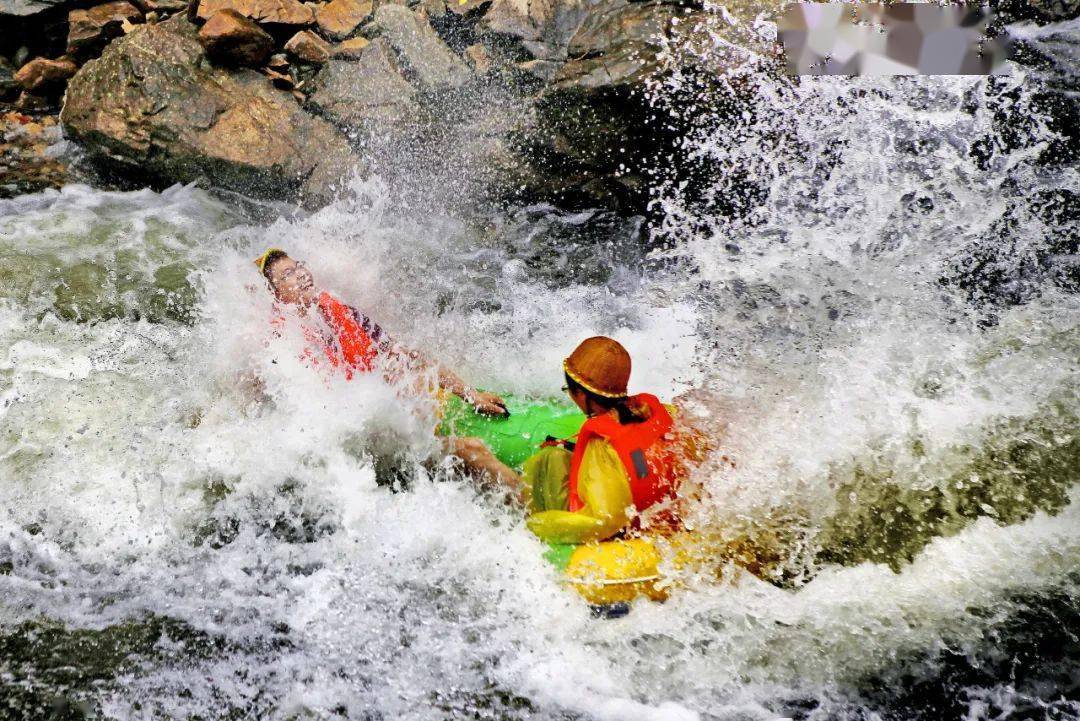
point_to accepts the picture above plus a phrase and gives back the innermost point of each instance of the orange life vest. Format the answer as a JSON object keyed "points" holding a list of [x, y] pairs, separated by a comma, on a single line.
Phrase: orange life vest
{"points": [[645, 450], [353, 342], [355, 336]]}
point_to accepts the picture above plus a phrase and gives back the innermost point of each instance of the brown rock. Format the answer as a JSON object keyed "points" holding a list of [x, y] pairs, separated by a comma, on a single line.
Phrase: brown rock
{"points": [[281, 12], [308, 47], [232, 39], [350, 49], [90, 30], [479, 58], [339, 18], [618, 47], [151, 107], [277, 61], [161, 6], [42, 74]]}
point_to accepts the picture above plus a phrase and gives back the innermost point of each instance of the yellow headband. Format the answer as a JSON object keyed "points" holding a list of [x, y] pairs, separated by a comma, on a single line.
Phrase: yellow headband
{"points": [[581, 382], [261, 261]]}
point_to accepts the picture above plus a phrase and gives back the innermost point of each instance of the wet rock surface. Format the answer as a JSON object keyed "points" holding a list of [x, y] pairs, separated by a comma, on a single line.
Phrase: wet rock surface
{"points": [[42, 75], [90, 30], [308, 47], [230, 38], [568, 80], [617, 45], [425, 56], [29, 161], [369, 94], [186, 120]]}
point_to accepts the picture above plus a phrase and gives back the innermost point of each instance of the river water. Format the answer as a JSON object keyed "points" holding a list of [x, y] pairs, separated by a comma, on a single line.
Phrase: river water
{"points": [[885, 338]]}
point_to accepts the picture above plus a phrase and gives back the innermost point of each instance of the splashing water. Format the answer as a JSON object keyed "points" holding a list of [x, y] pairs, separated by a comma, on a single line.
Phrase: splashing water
{"points": [[884, 333]]}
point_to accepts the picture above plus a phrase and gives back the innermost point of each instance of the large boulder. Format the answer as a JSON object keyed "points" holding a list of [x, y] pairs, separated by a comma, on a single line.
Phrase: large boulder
{"points": [[591, 62], [154, 109], [420, 50], [229, 38], [90, 30], [370, 94], [596, 137], [590, 43]]}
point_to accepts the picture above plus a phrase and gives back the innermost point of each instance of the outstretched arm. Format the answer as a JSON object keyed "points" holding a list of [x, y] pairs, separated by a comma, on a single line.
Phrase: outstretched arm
{"points": [[417, 362], [486, 403]]}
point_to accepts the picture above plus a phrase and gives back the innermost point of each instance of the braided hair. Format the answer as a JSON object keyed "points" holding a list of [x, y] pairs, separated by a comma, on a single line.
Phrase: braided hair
{"points": [[628, 410]]}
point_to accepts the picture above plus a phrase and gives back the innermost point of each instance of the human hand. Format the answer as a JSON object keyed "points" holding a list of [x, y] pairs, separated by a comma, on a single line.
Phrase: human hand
{"points": [[487, 404]]}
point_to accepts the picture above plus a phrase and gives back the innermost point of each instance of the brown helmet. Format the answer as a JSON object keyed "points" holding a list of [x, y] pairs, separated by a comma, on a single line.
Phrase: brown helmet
{"points": [[600, 365]]}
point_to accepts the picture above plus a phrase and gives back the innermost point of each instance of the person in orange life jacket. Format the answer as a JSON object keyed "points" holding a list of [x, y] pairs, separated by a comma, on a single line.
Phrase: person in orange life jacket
{"points": [[622, 472], [354, 341]]}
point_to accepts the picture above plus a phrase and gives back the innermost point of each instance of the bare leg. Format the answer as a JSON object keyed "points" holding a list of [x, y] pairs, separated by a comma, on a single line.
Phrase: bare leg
{"points": [[481, 463]]}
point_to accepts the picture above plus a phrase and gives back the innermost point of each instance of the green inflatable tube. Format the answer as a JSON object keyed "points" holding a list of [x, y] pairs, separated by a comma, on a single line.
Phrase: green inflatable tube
{"points": [[516, 438]]}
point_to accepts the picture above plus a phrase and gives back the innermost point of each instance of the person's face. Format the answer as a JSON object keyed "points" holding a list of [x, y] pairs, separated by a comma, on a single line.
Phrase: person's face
{"points": [[579, 397], [291, 281]]}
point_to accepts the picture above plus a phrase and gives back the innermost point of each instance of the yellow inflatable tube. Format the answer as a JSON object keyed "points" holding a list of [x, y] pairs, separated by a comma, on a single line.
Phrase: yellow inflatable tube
{"points": [[616, 571], [650, 566], [620, 571]]}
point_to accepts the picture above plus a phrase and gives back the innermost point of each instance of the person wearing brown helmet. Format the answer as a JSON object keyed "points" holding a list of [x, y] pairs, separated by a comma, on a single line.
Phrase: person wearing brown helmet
{"points": [[347, 340], [622, 470]]}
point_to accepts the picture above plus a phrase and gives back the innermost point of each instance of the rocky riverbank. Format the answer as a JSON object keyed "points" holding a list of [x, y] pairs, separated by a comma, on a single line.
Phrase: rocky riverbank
{"points": [[281, 98]]}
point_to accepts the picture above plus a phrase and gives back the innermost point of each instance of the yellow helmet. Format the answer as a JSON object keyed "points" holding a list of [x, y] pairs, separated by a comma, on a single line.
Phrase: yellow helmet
{"points": [[266, 257]]}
